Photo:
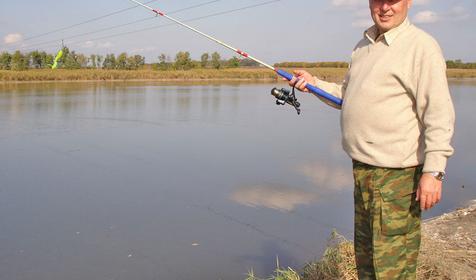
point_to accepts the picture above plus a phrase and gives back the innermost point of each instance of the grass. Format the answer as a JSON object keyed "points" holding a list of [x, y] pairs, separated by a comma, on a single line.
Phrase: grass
{"points": [[461, 73], [100, 74], [338, 262], [279, 274], [329, 74]]}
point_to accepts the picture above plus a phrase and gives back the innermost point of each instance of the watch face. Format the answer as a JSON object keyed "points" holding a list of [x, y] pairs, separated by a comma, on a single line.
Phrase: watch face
{"points": [[439, 175]]}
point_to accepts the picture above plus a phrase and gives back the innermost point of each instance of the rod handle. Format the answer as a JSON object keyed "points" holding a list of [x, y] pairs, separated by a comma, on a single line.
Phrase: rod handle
{"points": [[317, 91]]}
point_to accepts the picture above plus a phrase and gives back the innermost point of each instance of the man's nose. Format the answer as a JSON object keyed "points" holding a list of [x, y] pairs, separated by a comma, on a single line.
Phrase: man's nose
{"points": [[385, 6]]}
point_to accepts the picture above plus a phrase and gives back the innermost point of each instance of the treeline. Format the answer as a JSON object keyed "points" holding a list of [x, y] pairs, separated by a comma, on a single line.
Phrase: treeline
{"points": [[336, 64], [459, 64], [72, 60], [183, 61], [19, 61]]}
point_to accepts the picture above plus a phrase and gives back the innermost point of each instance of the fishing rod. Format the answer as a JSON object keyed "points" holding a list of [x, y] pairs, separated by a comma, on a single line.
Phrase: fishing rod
{"points": [[282, 96]]}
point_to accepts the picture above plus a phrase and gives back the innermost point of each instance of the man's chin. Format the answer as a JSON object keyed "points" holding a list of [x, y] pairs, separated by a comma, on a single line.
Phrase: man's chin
{"points": [[384, 26]]}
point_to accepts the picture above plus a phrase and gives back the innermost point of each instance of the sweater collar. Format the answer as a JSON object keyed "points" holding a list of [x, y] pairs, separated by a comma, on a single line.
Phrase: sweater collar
{"points": [[389, 36]]}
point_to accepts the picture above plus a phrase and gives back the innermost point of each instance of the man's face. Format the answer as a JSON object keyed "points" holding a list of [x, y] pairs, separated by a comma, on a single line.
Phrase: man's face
{"points": [[388, 14]]}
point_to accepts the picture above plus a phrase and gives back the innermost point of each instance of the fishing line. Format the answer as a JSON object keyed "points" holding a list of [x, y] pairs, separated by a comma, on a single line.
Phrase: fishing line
{"points": [[77, 24], [163, 25], [120, 25]]}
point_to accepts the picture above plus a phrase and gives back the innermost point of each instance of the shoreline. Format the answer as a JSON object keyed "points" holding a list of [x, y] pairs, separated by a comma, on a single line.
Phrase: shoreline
{"points": [[448, 251], [180, 76], [179, 81], [182, 81]]}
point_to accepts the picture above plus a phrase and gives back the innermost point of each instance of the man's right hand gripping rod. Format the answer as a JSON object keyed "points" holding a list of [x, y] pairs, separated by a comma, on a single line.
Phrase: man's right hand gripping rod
{"points": [[317, 91]]}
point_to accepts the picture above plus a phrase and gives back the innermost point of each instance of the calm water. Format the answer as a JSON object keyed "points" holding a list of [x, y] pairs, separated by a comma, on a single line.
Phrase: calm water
{"points": [[156, 181]]}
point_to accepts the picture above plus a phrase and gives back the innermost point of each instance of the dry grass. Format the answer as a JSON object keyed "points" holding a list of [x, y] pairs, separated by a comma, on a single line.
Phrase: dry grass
{"points": [[328, 74], [338, 262], [99, 74], [461, 73], [448, 252]]}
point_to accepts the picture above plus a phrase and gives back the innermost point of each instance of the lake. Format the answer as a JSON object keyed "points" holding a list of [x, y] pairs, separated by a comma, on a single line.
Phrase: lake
{"points": [[144, 180]]}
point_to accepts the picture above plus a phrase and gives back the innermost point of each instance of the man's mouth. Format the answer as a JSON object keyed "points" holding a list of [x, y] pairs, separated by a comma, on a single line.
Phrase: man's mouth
{"points": [[385, 17]]}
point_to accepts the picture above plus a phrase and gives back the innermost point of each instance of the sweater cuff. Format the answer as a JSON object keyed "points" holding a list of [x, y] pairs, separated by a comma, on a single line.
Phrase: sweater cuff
{"points": [[435, 162], [325, 86]]}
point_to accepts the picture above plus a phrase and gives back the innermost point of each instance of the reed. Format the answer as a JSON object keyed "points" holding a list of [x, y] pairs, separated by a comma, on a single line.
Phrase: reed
{"points": [[328, 74]]}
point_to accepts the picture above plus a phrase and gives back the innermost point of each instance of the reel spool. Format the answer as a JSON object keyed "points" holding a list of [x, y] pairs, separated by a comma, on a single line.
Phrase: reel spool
{"points": [[284, 96]]}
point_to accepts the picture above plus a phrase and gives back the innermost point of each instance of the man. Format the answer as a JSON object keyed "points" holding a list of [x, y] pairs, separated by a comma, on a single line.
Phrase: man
{"points": [[397, 123]]}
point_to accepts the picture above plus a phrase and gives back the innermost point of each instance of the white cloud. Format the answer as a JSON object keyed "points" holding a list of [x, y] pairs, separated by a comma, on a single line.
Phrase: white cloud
{"points": [[349, 3], [456, 13], [96, 45], [421, 2], [144, 49], [426, 17], [276, 197], [12, 38], [325, 176], [89, 44], [359, 10]]}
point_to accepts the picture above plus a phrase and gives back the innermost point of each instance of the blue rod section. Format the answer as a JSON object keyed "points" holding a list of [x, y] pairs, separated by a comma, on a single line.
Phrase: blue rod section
{"points": [[311, 88]]}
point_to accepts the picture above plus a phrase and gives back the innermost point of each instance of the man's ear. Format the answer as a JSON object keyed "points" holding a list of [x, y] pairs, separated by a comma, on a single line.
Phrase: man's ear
{"points": [[409, 4]]}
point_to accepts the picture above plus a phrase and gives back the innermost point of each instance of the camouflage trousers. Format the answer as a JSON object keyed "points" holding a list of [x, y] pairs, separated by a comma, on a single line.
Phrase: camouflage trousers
{"points": [[387, 221]]}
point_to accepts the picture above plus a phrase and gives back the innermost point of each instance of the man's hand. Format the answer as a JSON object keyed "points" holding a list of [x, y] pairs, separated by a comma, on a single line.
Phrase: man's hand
{"points": [[429, 191], [301, 79]]}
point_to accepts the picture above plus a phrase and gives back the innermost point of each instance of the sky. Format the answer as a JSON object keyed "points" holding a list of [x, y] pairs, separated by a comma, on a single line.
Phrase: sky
{"points": [[279, 30]]}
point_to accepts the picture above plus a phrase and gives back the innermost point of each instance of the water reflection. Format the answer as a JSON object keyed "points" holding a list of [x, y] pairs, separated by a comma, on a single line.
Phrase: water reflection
{"points": [[327, 176], [276, 197]]}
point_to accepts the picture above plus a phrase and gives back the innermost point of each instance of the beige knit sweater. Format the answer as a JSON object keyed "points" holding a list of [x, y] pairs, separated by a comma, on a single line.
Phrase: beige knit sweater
{"points": [[397, 109]]}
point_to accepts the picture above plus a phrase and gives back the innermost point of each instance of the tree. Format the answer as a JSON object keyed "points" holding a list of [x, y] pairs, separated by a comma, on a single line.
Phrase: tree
{"points": [[36, 60], [248, 63], [99, 60], [134, 62], [5, 61], [121, 61], [163, 62], [216, 63], [233, 62], [204, 60], [72, 60], [82, 60], [19, 61], [93, 61], [48, 59], [109, 61], [183, 61]]}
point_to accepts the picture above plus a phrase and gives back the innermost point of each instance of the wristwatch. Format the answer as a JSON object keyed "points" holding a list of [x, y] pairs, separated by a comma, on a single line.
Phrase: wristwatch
{"points": [[440, 176]]}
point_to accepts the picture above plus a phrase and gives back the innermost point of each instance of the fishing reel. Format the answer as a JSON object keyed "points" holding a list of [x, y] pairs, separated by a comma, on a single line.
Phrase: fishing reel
{"points": [[284, 96]]}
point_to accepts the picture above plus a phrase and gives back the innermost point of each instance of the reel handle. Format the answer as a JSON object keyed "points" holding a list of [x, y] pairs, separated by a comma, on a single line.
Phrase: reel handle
{"points": [[317, 91]]}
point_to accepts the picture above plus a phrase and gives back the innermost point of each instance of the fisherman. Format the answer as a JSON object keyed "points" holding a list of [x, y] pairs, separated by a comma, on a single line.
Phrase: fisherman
{"points": [[397, 122]]}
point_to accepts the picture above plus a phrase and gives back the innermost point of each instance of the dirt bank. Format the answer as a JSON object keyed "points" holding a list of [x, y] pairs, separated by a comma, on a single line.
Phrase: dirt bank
{"points": [[449, 245]]}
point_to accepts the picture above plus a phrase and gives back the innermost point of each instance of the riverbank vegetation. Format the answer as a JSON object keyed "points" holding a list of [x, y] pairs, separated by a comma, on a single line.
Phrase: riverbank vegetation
{"points": [[328, 74], [36, 66]]}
